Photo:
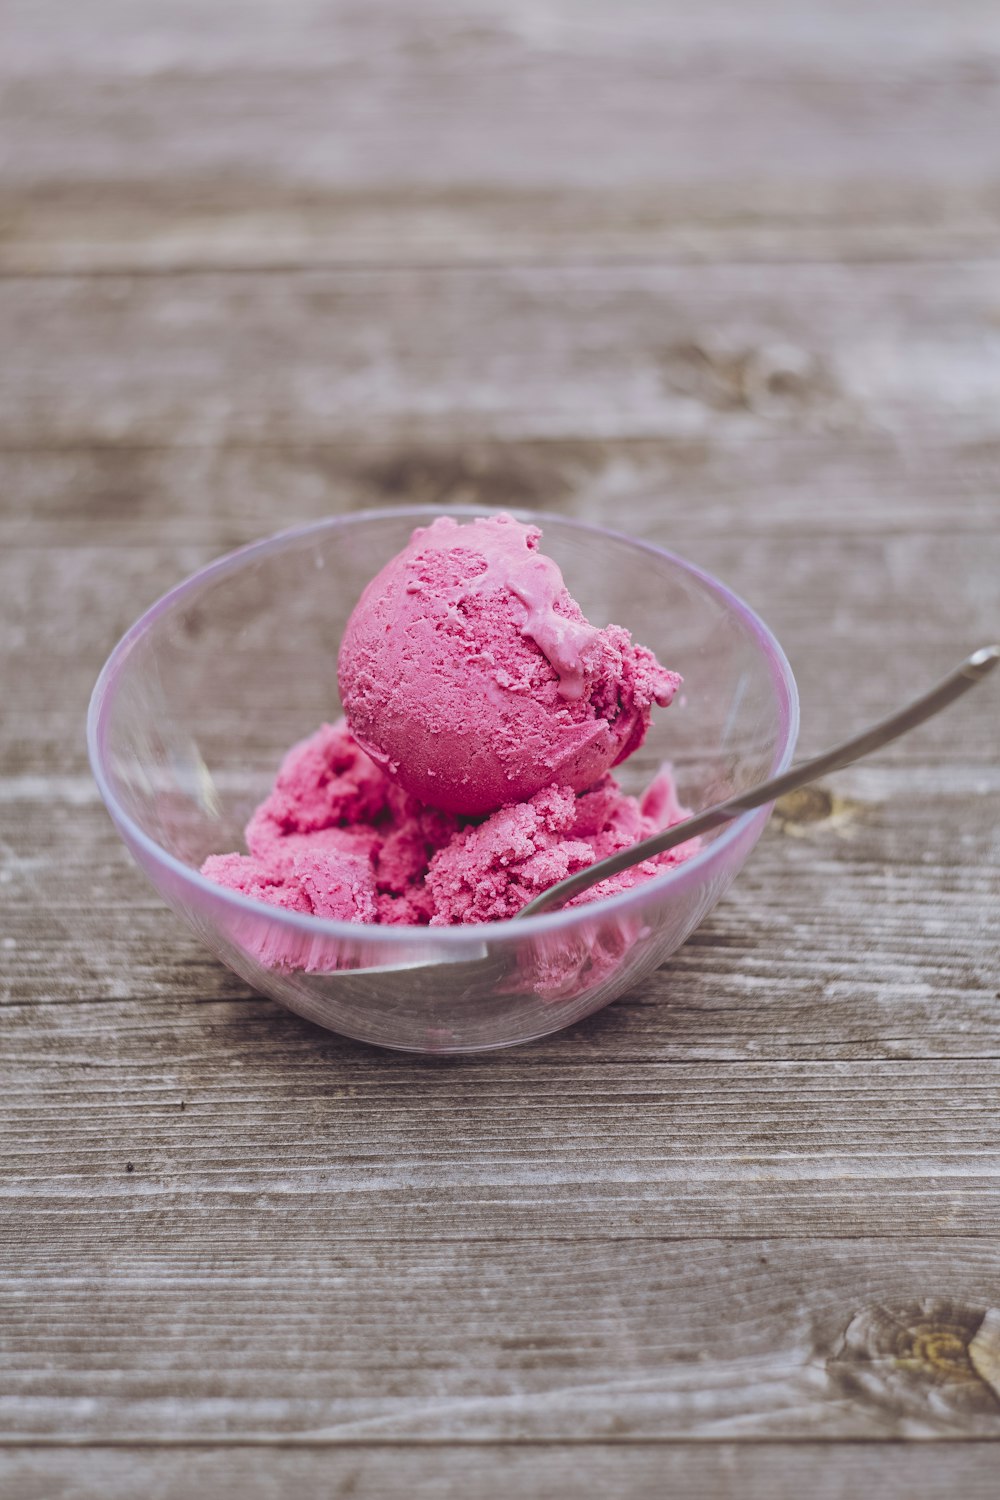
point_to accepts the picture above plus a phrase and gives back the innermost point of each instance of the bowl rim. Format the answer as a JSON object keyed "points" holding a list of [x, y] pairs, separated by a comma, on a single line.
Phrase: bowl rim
{"points": [[459, 935]]}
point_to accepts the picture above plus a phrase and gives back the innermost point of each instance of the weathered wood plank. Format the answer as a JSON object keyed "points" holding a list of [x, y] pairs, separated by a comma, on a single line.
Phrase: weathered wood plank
{"points": [[115, 228], [289, 1123], [428, 355], [806, 487], [477, 131], [492, 1471], [539, 1341], [138, 38]]}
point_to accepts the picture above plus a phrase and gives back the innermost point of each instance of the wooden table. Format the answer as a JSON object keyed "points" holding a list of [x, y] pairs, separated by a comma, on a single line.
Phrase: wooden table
{"points": [[725, 276]]}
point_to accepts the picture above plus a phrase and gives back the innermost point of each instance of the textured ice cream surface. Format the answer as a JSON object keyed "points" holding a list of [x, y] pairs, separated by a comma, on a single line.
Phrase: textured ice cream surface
{"points": [[471, 676], [492, 870], [337, 837], [321, 878]]}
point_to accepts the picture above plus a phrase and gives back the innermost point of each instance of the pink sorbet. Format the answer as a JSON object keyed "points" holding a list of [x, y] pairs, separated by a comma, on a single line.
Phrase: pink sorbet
{"points": [[471, 676], [339, 838]]}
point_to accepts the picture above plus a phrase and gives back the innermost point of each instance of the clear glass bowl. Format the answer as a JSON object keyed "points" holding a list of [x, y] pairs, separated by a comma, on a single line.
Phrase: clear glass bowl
{"points": [[199, 701]]}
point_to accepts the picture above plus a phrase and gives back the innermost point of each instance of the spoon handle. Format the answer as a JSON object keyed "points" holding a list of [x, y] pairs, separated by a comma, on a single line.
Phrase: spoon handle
{"points": [[965, 676]]}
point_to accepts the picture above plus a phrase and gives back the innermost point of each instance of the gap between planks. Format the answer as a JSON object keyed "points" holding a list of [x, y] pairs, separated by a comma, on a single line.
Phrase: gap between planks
{"points": [[307, 1440]]}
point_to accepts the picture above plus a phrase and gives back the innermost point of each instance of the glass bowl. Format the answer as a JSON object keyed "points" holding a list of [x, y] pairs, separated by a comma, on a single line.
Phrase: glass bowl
{"points": [[198, 703]]}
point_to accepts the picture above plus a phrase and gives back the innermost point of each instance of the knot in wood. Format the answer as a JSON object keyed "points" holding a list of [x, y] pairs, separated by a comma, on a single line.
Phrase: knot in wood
{"points": [[921, 1365], [814, 810], [809, 804], [768, 379], [940, 1352]]}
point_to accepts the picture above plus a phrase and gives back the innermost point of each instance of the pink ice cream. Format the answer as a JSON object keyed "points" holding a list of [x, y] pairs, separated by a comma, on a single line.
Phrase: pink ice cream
{"points": [[470, 675], [472, 771], [339, 838]]}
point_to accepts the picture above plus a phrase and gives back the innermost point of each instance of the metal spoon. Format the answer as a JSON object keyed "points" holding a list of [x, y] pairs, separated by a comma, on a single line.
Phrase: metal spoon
{"points": [[971, 671]]}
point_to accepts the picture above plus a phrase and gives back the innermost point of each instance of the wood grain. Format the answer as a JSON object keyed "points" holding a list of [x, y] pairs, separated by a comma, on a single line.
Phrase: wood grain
{"points": [[527, 353], [803, 488], [783, 1149], [470, 132], [538, 1341], [382, 1471]]}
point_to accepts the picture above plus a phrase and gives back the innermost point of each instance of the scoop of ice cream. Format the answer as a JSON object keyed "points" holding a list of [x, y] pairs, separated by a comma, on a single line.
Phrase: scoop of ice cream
{"points": [[320, 878], [337, 838], [489, 871], [472, 677]]}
